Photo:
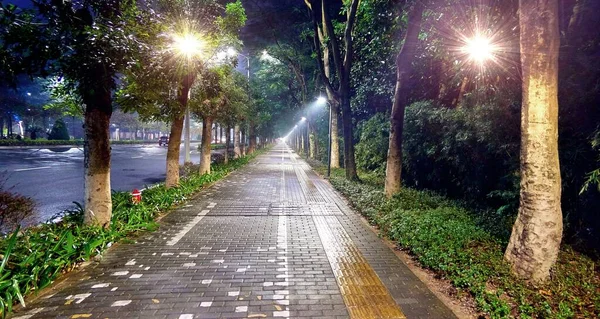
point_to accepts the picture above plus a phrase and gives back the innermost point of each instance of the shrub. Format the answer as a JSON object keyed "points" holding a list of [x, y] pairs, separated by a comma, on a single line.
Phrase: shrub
{"points": [[371, 150], [469, 152], [448, 239], [14, 208], [59, 131]]}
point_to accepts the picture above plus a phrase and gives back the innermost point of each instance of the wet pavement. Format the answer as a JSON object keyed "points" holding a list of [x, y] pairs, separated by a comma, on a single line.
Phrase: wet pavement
{"points": [[271, 240]]}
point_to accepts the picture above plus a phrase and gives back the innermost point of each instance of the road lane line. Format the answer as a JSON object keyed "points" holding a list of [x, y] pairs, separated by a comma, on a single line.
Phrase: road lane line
{"points": [[31, 169], [137, 157]]}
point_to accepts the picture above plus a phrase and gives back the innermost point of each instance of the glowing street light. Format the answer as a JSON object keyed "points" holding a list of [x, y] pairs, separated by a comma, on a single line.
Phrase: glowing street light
{"points": [[479, 49], [188, 44], [321, 100], [303, 119]]}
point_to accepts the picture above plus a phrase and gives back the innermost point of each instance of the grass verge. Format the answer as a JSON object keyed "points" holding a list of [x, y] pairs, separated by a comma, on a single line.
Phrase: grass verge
{"points": [[450, 240], [32, 259]]}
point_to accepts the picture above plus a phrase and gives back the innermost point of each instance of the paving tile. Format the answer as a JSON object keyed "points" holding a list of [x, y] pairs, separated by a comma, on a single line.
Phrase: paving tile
{"points": [[271, 239]]}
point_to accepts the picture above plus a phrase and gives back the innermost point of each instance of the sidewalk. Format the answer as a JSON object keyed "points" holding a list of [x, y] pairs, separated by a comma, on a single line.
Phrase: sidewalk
{"points": [[272, 240]]}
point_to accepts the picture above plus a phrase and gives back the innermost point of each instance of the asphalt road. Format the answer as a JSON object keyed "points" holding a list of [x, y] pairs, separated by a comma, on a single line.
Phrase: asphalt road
{"points": [[53, 177]]}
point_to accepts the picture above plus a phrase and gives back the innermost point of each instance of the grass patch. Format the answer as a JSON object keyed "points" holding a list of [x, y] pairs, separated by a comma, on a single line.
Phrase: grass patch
{"points": [[32, 259], [449, 239]]}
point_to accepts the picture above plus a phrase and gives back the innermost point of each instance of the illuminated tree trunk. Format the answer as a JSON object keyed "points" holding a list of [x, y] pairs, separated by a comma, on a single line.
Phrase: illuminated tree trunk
{"points": [[173, 152], [205, 146], [335, 137], [236, 142], [537, 232], [312, 142], [393, 170], [96, 150], [175, 136], [227, 144]]}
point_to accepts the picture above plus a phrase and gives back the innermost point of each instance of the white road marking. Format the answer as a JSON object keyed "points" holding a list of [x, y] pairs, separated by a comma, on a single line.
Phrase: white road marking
{"points": [[206, 304], [120, 303], [187, 228], [31, 169], [137, 157], [79, 298], [100, 286], [186, 316]]}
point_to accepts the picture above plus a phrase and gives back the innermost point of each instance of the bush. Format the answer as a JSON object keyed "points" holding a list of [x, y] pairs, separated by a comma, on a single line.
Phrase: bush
{"points": [[371, 150], [448, 239], [14, 208], [59, 131], [469, 152]]}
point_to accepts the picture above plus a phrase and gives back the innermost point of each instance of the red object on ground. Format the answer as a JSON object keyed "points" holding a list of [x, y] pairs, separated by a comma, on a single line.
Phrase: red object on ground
{"points": [[136, 196]]}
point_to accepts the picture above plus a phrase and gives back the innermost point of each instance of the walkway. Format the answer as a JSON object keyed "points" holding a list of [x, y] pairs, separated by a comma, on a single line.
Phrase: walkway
{"points": [[272, 240]]}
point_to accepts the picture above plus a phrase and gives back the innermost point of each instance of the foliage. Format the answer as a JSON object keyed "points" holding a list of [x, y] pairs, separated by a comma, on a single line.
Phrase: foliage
{"points": [[371, 150], [447, 238], [468, 152], [593, 177], [34, 258], [59, 131], [14, 208]]}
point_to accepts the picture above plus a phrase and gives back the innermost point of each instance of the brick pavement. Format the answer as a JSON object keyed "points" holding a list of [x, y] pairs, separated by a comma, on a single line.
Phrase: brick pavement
{"points": [[271, 240]]}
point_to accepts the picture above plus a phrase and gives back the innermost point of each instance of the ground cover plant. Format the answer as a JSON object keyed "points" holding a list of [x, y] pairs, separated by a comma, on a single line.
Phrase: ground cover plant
{"points": [[457, 245], [33, 258]]}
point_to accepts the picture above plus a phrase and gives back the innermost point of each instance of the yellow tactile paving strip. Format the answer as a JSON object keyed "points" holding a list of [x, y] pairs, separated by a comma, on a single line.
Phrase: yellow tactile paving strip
{"points": [[363, 292]]}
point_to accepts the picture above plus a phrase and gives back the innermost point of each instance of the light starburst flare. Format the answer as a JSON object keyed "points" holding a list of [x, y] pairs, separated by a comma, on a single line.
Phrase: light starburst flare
{"points": [[188, 45], [479, 48]]}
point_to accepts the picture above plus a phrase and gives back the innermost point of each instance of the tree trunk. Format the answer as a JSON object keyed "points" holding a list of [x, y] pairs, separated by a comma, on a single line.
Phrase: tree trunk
{"points": [[312, 140], [243, 142], [227, 144], [173, 152], [236, 142], [335, 137], [176, 131], [393, 169], [205, 146], [96, 150], [537, 232], [252, 142]]}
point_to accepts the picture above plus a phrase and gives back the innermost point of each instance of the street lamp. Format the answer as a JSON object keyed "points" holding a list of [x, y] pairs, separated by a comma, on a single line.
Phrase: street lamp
{"points": [[479, 48], [188, 45]]}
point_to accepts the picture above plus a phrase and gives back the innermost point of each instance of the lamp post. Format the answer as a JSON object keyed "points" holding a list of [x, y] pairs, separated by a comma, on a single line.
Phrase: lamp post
{"points": [[189, 46]]}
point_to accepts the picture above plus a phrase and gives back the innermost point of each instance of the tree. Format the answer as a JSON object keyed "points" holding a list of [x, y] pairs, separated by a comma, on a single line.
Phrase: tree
{"points": [[537, 232], [164, 88], [87, 45], [59, 131], [327, 44], [404, 61]]}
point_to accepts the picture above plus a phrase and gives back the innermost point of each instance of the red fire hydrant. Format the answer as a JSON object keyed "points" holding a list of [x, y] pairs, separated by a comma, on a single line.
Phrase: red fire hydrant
{"points": [[136, 196]]}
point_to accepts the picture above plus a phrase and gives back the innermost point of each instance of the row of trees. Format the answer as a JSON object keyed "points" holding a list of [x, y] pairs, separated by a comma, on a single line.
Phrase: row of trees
{"points": [[155, 59], [364, 70]]}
